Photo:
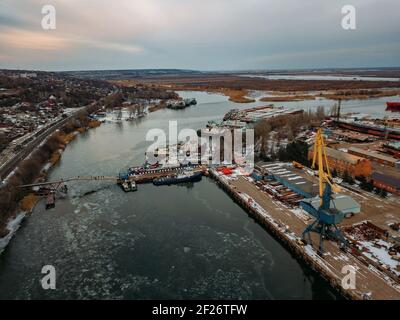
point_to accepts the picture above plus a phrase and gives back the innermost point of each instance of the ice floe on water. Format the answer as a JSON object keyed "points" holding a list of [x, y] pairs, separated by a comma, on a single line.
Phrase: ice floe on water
{"points": [[221, 284]]}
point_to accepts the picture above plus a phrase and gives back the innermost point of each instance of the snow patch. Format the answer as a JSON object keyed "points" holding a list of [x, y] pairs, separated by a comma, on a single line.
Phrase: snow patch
{"points": [[12, 225]]}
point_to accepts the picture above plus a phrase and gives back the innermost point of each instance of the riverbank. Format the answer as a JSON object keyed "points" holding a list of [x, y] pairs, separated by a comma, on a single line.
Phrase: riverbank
{"points": [[207, 82], [234, 95], [295, 97], [346, 95], [27, 204]]}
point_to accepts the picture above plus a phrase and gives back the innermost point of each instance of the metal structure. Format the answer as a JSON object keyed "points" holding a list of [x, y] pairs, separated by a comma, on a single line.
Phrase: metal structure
{"points": [[338, 110], [327, 218], [50, 189], [62, 181], [386, 128]]}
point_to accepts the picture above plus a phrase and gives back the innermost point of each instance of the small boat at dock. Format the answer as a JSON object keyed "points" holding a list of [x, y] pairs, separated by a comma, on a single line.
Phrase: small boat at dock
{"points": [[393, 106], [128, 186], [50, 201]]}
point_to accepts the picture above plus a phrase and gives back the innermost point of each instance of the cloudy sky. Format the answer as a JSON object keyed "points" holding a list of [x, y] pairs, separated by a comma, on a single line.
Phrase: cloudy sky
{"points": [[198, 34]]}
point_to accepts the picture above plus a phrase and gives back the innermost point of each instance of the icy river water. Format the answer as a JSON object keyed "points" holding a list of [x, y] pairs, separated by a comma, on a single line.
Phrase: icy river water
{"points": [[172, 242]]}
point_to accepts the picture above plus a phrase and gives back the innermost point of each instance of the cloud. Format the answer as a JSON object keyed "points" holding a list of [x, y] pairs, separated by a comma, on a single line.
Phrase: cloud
{"points": [[27, 40], [109, 45], [206, 34]]}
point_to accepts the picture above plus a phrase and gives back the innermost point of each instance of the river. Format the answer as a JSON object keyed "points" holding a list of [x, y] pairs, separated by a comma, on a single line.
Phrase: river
{"points": [[171, 242]]}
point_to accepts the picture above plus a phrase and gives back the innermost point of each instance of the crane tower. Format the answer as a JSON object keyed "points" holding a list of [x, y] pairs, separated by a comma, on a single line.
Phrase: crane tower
{"points": [[326, 217]]}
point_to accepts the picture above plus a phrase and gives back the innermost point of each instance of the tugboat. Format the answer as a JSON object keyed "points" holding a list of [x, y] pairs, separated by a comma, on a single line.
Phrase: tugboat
{"points": [[132, 185], [128, 186], [190, 102], [187, 176], [50, 201]]}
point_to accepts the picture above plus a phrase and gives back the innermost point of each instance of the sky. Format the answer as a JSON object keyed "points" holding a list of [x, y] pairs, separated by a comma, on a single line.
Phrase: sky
{"points": [[198, 34]]}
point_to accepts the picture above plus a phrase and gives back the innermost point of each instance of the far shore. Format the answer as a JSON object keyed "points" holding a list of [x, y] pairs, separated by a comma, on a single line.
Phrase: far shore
{"points": [[238, 89]]}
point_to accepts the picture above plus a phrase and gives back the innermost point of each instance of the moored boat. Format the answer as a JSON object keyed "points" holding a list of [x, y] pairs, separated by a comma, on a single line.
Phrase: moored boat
{"points": [[393, 106], [128, 186], [188, 176]]}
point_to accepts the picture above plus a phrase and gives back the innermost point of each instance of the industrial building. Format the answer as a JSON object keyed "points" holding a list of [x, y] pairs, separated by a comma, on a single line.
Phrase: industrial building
{"points": [[349, 136], [388, 183], [254, 115], [290, 177], [393, 148], [375, 156], [343, 161], [297, 181], [340, 202]]}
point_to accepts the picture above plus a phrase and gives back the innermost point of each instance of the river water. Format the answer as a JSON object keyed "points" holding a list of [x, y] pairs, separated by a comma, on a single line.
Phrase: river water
{"points": [[171, 242]]}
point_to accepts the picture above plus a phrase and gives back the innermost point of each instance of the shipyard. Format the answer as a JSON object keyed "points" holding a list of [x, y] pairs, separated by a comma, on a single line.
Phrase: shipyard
{"points": [[358, 186], [360, 229], [184, 152]]}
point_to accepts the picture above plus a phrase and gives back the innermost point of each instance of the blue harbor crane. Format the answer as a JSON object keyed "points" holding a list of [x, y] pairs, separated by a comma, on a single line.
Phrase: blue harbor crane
{"points": [[327, 216]]}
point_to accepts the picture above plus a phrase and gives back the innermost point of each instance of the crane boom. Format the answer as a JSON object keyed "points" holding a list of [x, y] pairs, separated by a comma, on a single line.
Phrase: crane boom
{"points": [[327, 216], [320, 158]]}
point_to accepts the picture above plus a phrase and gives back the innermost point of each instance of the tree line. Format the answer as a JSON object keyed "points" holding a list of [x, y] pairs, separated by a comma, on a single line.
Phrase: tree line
{"points": [[271, 132]]}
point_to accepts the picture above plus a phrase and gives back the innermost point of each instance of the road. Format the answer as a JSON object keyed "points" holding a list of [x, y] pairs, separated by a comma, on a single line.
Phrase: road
{"points": [[8, 167]]}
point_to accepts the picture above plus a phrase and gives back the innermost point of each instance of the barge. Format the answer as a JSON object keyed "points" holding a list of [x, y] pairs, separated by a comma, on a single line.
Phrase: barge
{"points": [[392, 148], [372, 129], [393, 106], [188, 176], [50, 201]]}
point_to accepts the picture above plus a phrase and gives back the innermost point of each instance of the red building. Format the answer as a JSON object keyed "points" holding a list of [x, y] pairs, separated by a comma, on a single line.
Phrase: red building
{"points": [[389, 183]]}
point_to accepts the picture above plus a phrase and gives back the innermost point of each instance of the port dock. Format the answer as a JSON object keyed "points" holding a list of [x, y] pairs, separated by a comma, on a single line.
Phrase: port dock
{"points": [[147, 176], [127, 181], [287, 224], [281, 216]]}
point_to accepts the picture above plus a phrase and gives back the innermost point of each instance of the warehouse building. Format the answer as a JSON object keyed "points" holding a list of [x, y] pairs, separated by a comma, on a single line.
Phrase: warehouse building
{"points": [[393, 148], [295, 180], [290, 177], [342, 161], [389, 183], [343, 203], [375, 156]]}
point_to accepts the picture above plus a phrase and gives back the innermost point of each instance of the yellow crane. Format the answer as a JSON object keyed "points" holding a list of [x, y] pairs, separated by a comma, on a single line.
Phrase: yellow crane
{"points": [[327, 217], [320, 158]]}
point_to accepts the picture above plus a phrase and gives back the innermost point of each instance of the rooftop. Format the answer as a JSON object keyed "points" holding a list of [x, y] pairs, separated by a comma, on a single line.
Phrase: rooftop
{"points": [[390, 180], [394, 144], [340, 202], [292, 177], [344, 156], [373, 154]]}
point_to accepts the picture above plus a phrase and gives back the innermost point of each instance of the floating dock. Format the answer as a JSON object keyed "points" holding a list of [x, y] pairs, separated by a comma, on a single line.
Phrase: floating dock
{"points": [[149, 175]]}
